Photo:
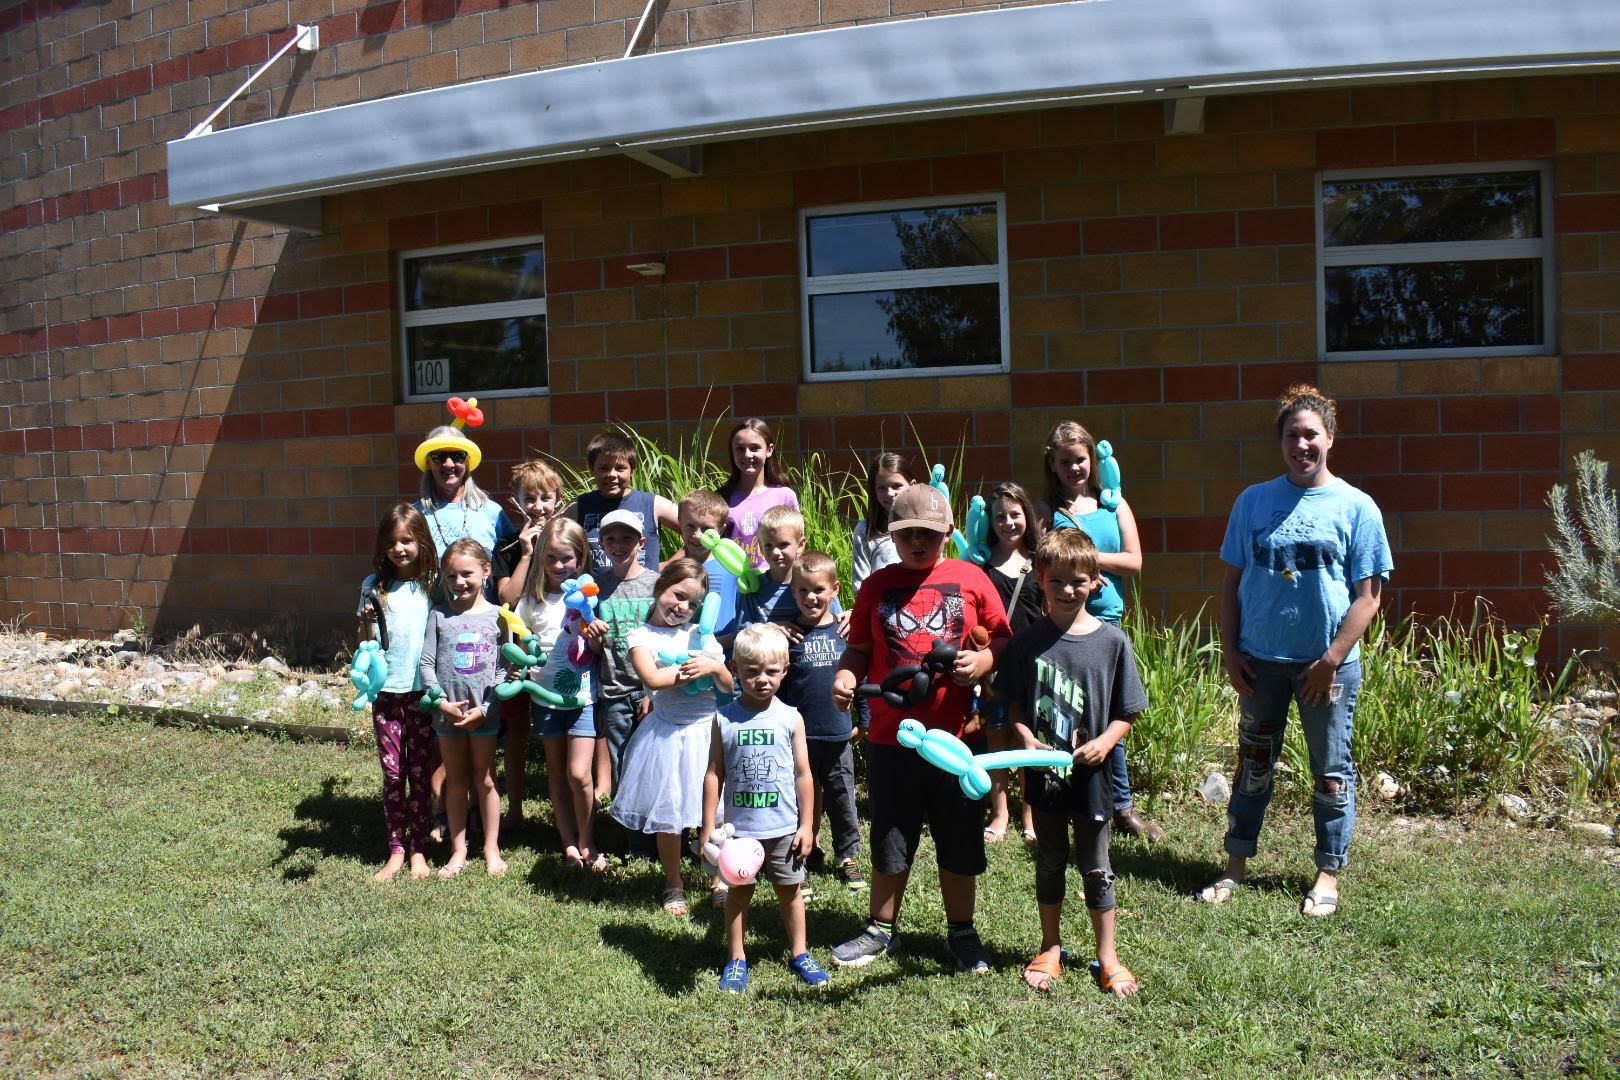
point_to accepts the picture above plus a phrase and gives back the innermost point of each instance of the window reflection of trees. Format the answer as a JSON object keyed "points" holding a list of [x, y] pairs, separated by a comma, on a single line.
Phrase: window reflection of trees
{"points": [[945, 325], [1431, 209], [1433, 305]]}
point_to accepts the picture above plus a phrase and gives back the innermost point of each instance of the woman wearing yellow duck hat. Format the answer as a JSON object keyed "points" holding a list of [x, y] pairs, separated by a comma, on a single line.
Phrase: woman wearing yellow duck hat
{"points": [[453, 503]]}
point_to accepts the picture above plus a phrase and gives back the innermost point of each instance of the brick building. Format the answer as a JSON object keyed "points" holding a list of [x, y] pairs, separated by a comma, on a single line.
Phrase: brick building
{"points": [[1147, 215]]}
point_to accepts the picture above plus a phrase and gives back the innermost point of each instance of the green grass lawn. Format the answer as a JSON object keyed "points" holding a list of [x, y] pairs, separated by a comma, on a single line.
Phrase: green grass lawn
{"points": [[178, 902]]}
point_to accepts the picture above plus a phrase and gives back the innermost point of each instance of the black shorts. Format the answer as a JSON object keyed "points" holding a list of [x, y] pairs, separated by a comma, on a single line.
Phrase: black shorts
{"points": [[905, 791]]}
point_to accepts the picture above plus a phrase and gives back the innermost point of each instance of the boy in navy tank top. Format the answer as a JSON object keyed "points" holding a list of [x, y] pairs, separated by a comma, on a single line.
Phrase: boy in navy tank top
{"points": [[612, 461], [759, 782], [812, 665]]}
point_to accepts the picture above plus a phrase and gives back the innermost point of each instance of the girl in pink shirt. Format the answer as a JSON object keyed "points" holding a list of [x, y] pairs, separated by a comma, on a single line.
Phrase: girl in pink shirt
{"points": [[757, 483]]}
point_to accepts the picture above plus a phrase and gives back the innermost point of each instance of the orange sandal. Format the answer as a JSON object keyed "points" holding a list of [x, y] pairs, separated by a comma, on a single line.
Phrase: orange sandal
{"points": [[1041, 972], [1114, 976]]}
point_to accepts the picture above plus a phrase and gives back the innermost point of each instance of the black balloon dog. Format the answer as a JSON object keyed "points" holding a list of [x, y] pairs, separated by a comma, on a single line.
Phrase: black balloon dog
{"points": [[894, 689]]}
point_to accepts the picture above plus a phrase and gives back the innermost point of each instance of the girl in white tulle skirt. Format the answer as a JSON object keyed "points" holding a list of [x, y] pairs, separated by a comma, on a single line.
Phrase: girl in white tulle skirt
{"points": [[661, 791]]}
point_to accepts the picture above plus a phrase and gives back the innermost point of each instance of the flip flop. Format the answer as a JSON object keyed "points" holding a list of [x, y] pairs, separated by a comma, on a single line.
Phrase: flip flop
{"points": [[598, 864], [1116, 974], [1211, 893], [1326, 905], [1045, 967], [994, 836], [1030, 839]]}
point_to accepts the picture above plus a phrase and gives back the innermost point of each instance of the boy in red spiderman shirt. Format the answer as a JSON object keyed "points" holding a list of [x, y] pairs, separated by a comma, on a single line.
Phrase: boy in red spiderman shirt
{"points": [[899, 612]]}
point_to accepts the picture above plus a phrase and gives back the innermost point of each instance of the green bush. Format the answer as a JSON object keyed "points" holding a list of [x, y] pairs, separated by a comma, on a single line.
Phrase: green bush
{"points": [[1452, 710]]}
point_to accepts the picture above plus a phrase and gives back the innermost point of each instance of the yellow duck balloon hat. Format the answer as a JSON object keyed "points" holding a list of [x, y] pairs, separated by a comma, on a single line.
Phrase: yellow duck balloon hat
{"points": [[466, 413]]}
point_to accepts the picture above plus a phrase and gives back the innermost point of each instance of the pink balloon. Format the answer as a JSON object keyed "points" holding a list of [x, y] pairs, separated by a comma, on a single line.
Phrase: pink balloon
{"points": [[740, 859]]}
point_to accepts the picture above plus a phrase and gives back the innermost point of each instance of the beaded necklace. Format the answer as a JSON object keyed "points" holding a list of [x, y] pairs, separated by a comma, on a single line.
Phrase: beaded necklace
{"points": [[433, 522]]}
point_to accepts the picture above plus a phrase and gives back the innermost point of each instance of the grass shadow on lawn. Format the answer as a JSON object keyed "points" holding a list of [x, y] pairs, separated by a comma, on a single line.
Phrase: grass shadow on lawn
{"points": [[1185, 875], [331, 825]]}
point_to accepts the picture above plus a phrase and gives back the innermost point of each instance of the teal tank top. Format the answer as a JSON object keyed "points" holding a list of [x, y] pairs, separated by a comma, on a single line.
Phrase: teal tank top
{"points": [[1102, 525]]}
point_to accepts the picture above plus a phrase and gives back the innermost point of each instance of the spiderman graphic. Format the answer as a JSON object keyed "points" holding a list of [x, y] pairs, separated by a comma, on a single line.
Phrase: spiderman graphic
{"points": [[913, 617]]}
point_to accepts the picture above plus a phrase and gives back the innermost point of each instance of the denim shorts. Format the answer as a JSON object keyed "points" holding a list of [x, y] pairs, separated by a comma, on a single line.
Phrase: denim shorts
{"points": [[552, 723]]}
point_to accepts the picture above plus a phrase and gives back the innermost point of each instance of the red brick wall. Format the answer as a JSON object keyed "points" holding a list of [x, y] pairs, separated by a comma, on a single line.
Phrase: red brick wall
{"points": [[190, 400]]}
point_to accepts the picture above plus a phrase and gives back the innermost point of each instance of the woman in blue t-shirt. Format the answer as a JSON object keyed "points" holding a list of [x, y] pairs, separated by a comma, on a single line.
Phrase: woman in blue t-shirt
{"points": [[1306, 559]]}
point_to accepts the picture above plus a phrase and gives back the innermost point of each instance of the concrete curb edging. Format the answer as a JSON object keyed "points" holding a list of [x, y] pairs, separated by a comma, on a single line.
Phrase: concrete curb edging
{"points": [[181, 718]]}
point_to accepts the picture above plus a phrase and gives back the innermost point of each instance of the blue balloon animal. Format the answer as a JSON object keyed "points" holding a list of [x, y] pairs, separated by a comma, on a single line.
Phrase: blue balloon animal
{"points": [[368, 673], [976, 530], [708, 619], [1108, 476], [936, 480], [946, 751]]}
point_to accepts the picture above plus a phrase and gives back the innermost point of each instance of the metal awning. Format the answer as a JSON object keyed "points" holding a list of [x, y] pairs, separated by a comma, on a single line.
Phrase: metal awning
{"points": [[1003, 60]]}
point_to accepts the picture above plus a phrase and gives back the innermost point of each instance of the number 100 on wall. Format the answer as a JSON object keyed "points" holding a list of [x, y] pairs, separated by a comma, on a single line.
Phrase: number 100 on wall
{"points": [[430, 376]]}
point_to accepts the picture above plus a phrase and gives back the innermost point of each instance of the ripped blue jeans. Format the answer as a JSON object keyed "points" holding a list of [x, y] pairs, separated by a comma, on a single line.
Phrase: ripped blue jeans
{"points": [[1327, 736]]}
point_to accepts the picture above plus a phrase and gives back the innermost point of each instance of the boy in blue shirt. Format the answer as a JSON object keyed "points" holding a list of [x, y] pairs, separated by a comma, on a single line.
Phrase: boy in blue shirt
{"points": [[781, 541], [612, 461], [812, 664]]}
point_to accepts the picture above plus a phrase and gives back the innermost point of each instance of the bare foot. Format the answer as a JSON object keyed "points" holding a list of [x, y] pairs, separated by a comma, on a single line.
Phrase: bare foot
{"points": [[396, 860], [574, 857], [419, 867], [458, 860], [494, 863]]}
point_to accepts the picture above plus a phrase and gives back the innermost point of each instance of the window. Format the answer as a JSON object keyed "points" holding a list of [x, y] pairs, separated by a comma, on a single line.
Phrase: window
{"points": [[474, 321], [918, 288], [1435, 262]]}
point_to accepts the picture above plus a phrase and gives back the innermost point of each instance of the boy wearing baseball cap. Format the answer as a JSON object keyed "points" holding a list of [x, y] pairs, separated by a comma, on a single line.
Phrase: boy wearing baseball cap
{"points": [[622, 605], [900, 613]]}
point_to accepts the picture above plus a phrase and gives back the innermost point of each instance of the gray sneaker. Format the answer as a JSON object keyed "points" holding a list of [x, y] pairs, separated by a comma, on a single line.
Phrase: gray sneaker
{"points": [[865, 947], [968, 951]]}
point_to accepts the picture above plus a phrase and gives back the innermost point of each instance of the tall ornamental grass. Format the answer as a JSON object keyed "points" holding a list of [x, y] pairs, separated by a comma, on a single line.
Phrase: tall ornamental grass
{"points": [[1452, 710], [1192, 710]]}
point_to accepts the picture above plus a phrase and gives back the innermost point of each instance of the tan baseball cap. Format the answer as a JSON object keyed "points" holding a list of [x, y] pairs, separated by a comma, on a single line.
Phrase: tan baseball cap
{"points": [[920, 507]]}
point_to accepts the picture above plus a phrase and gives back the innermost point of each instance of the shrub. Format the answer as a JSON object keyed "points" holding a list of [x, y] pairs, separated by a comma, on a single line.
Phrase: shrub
{"points": [[1586, 583]]}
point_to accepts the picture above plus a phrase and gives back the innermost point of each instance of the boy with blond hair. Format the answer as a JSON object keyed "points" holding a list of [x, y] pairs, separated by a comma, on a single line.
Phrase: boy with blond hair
{"points": [[537, 495], [759, 782], [1071, 683], [781, 541]]}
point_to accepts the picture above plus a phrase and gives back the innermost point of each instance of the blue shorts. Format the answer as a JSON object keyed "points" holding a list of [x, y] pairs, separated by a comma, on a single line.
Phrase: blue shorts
{"points": [[552, 723]]}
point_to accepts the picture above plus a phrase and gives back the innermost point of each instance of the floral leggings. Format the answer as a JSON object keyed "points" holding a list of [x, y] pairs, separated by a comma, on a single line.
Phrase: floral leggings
{"points": [[404, 739]]}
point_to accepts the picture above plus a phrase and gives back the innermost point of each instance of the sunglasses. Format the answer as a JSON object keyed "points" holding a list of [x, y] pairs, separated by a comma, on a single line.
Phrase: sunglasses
{"points": [[439, 457]]}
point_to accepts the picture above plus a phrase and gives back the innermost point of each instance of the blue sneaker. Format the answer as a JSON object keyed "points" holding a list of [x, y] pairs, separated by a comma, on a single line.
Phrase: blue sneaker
{"points": [[734, 979], [805, 967], [865, 947]]}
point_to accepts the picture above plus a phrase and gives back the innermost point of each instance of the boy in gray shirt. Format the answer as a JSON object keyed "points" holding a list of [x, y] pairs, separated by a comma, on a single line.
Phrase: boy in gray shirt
{"points": [[1071, 682]]}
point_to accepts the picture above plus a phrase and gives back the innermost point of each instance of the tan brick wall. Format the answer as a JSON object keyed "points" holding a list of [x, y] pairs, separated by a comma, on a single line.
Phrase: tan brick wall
{"points": [[200, 418]]}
